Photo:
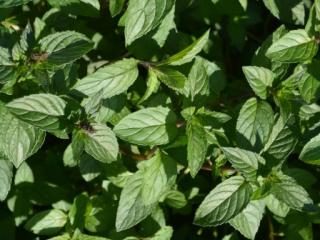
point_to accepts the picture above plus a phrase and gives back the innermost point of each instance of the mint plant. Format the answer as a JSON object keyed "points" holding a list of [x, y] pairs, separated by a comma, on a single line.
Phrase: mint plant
{"points": [[159, 119]]}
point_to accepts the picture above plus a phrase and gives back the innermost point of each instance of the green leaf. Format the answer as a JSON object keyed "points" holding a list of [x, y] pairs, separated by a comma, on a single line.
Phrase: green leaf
{"points": [[277, 207], [150, 126], [7, 66], [311, 151], [77, 211], [281, 141], [61, 237], [303, 177], [112, 80], [101, 143], [41, 110], [198, 80], [89, 167], [12, 3], [89, 8], [317, 7], [246, 162], [259, 59], [287, 190], [295, 46], [77, 146], [292, 11], [248, 221], [101, 209], [165, 233], [48, 222], [244, 4], [309, 88], [152, 85], [112, 109], [5, 177], [187, 54], [65, 47], [143, 16], [175, 199], [115, 7], [81, 236], [309, 84], [24, 45], [212, 118], [259, 79], [92, 104], [170, 77], [19, 139], [197, 145], [165, 27], [159, 176], [254, 124], [131, 208], [224, 202], [38, 25], [188, 113], [23, 174], [299, 226]]}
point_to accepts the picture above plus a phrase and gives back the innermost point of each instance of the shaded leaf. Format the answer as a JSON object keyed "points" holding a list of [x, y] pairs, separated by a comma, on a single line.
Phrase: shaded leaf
{"points": [[115, 7], [187, 54]]}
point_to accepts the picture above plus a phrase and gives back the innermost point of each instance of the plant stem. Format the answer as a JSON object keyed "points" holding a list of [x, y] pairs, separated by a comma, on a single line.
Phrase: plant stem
{"points": [[271, 229]]}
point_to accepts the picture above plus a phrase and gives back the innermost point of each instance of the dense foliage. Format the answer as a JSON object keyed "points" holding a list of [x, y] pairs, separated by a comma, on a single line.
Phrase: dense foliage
{"points": [[159, 119]]}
